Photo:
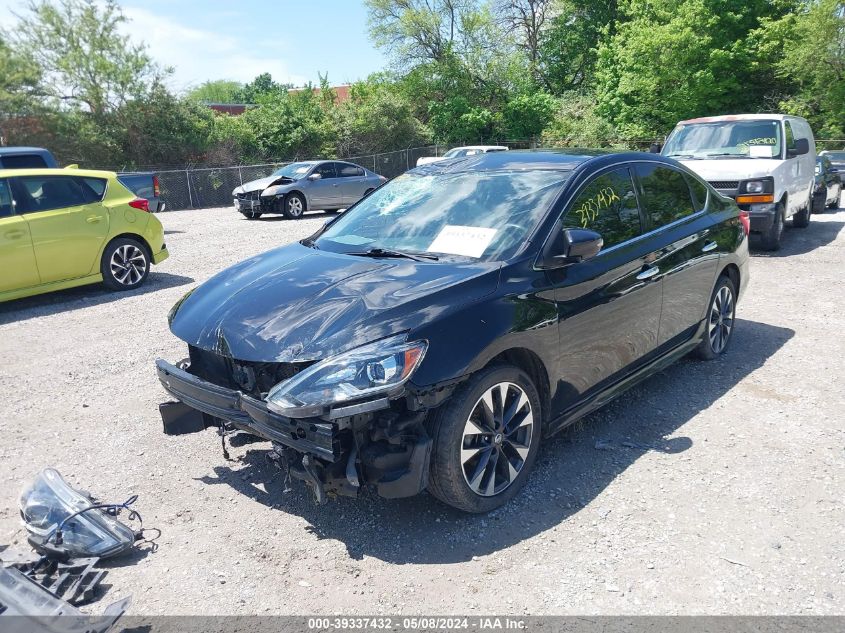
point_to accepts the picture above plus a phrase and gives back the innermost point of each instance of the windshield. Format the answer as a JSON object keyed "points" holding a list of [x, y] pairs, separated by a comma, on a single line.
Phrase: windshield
{"points": [[732, 139], [484, 215], [836, 157], [455, 153], [294, 170]]}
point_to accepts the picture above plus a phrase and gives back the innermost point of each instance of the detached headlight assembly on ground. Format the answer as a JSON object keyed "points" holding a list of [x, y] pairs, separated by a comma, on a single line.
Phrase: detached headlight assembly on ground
{"points": [[375, 369], [62, 521]]}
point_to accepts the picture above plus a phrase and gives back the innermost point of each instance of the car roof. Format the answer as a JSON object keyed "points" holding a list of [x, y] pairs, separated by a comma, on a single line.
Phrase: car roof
{"points": [[544, 159], [480, 147], [739, 117], [11, 151], [56, 171]]}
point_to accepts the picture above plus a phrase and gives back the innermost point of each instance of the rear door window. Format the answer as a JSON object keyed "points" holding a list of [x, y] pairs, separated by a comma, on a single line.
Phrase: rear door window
{"points": [[43, 193], [664, 194], [345, 170], [6, 208], [608, 206]]}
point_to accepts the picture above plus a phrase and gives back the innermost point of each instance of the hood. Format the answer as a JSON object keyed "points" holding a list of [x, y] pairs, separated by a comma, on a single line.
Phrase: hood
{"points": [[299, 304], [733, 168], [262, 183]]}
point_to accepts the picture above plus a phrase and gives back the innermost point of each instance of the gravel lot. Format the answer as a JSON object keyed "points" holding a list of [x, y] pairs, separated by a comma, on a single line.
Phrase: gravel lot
{"points": [[713, 488]]}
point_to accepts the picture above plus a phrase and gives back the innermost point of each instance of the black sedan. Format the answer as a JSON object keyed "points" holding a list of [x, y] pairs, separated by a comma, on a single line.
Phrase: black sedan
{"points": [[435, 333], [828, 188]]}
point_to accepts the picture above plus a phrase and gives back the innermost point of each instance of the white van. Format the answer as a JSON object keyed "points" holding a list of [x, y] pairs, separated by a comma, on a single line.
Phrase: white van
{"points": [[766, 162]]}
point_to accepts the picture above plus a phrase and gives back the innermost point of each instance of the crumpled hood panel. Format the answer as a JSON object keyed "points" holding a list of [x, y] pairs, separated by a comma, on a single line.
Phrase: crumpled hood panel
{"points": [[261, 184], [296, 303]]}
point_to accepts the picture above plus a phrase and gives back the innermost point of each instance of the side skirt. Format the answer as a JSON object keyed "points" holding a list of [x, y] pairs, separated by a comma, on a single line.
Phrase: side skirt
{"points": [[50, 287]]}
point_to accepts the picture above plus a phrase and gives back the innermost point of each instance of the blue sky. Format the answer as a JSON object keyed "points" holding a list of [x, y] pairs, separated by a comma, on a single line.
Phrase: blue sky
{"points": [[294, 40]]}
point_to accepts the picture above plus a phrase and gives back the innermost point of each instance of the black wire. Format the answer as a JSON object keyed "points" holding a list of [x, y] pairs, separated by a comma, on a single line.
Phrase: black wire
{"points": [[111, 508]]}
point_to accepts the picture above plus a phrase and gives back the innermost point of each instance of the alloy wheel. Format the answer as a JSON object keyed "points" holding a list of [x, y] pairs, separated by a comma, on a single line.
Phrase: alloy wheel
{"points": [[497, 439], [295, 206], [721, 319], [128, 265]]}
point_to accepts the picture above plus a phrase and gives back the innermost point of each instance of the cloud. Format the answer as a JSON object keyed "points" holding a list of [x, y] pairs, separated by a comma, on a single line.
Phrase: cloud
{"points": [[198, 55]]}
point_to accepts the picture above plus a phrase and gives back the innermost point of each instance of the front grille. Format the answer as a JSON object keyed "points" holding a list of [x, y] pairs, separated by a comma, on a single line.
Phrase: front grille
{"points": [[249, 195], [724, 184], [250, 377]]}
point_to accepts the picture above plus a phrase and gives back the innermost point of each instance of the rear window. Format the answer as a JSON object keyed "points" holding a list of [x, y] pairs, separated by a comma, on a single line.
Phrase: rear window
{"points": [[349, 170], [23, 161]]}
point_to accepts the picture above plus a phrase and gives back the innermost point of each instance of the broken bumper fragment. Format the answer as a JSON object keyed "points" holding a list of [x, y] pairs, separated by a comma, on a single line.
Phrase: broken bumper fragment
{"points": [[387, 449], [247, 413]]}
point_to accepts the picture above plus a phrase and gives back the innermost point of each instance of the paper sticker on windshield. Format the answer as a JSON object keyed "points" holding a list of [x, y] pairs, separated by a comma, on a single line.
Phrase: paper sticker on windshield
{"points": [[760, 151], [462, 240]]}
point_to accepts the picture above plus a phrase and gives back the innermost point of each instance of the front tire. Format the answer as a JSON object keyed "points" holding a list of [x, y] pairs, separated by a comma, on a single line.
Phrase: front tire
{"points": [[721, 318], [125, 264], [801, 219], [770, 240], [294, 206], [486, 440]]}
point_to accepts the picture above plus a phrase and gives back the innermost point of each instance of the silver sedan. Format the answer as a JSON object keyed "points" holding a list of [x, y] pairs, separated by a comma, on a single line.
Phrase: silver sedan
{"points": [[305, 186]]}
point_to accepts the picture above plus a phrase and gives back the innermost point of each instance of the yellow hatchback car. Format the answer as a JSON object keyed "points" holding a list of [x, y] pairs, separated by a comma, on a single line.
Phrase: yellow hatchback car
{"points": [[61, 228]]}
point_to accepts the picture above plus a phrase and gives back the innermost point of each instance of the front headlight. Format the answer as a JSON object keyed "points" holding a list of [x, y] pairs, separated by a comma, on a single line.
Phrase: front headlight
{"points": [[375, 369], [754, 186], [48, 501]]}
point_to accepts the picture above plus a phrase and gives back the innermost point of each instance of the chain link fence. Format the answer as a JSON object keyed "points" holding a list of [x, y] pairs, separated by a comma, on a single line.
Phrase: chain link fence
{"points": [[204, 187]]}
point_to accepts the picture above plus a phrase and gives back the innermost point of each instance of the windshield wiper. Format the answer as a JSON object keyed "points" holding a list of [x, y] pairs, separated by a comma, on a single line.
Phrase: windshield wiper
{"points": [[732, 154], [387, 252], [681, 156]]}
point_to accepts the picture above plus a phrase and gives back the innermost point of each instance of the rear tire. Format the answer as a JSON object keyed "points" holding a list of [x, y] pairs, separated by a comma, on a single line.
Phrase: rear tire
{"points": [[481, 459], [294, 206], [720, 320], [770, 240], [125, 264]]}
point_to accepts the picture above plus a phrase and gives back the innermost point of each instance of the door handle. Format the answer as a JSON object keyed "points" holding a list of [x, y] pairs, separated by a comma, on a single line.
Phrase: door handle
{"points": [[13, 235], [93, 219], [709, 247], [648, 273]]}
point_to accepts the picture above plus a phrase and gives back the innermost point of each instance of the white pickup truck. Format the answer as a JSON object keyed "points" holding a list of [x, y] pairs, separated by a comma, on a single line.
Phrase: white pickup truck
{"points": [[766, 162]]}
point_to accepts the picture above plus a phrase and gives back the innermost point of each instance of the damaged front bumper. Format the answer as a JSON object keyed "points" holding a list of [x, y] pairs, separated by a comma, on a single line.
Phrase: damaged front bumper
{"points": [[370, 444]]}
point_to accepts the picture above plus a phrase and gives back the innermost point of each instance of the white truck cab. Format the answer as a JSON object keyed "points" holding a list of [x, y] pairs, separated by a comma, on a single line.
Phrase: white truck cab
{"points": [[766, 162]]}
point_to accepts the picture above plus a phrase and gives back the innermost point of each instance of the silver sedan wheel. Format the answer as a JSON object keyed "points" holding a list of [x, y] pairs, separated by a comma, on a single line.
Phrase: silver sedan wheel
{"points": [[128, 265], [721, 319], [294, 206], [497, 439]]}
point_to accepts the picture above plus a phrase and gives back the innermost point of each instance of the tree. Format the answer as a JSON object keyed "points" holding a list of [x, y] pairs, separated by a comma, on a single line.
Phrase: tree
{"points": [[417, 31], [216, 91], [83, 56], [810, 48], [674, 59], [528, 18], [376, 118], [568, 46], [259, 87], [527, 115]]}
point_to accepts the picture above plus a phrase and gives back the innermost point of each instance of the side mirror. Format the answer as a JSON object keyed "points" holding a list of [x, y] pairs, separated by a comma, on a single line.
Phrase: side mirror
{"points": [[655, 148], [574, 245], [314, 177], [802, 146]]}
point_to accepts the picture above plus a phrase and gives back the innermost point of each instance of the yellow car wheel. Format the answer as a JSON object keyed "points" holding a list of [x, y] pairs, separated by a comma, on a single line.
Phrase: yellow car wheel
{"points": [[125, 264]]}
